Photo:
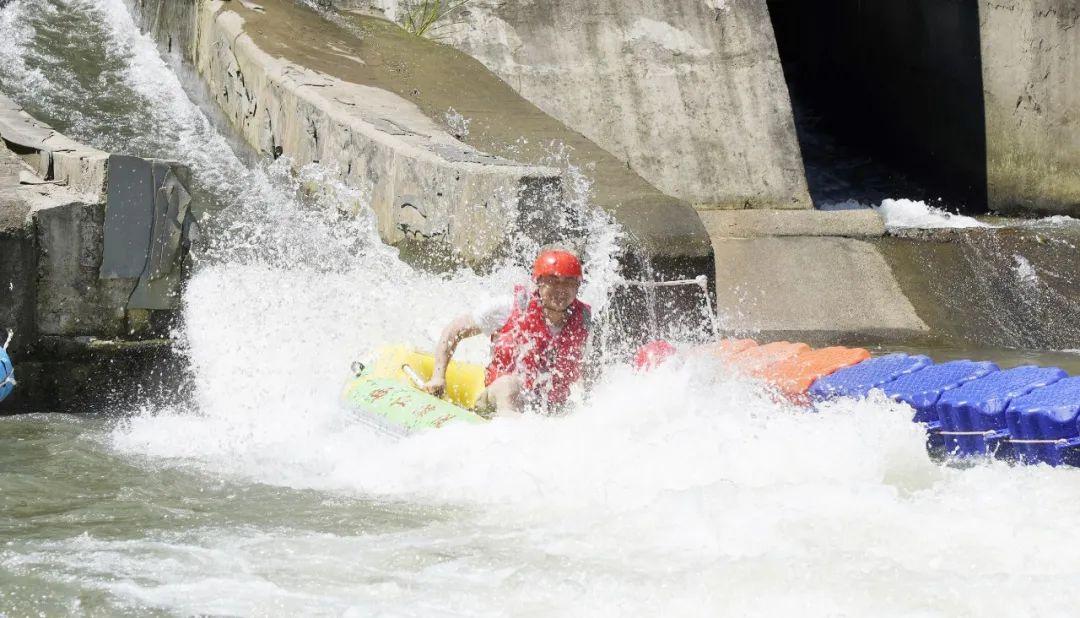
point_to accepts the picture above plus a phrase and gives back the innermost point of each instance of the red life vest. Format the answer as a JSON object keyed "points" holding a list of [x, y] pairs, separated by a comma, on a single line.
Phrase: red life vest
{"points": [[547, 364]]}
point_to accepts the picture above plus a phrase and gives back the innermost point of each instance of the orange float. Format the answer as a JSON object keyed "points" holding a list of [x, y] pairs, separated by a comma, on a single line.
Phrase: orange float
{"points": [[794, 375], [725, 348], [757, 359]]}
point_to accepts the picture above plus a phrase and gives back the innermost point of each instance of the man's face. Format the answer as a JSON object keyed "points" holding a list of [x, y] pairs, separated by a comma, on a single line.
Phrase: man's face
{"points": [[556, 293]]}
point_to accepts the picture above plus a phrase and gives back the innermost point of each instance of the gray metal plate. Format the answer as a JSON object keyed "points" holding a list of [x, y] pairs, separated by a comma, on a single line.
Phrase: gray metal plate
{"points": [[129, 217]]}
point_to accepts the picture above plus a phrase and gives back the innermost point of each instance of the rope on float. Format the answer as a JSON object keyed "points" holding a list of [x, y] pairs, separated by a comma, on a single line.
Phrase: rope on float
{"points": [[991, 432], [1058, 441]]}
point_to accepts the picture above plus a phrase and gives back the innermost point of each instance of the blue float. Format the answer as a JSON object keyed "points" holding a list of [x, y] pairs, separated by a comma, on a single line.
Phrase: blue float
{"points": [[7, 374], [1043, 424], [858, 380], [922, 389], [972, 417], [972, 407]]}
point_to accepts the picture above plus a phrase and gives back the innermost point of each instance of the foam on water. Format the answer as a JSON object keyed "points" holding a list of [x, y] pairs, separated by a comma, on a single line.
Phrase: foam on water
{"points": [[1025, 272], [910, 213], [13, 48], [1053, 221], [678, 492], [685, 491], [905, 213]]}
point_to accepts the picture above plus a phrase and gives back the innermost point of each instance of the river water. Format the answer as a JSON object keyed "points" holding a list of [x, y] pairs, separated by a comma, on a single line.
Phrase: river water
{"points": [[681, 492]]}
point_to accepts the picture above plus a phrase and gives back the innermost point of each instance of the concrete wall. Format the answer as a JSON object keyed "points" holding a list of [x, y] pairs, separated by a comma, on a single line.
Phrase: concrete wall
{"points": [[51, 156], [422, 183], [80, 335], [974, 100], [72, 299], [1031, 75], [18, 255], [370, 99], [690, 96], [54, 220]]}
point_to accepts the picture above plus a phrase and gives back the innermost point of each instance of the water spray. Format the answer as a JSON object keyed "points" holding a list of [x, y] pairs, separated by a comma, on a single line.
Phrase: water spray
{"points": [[700, 281]]}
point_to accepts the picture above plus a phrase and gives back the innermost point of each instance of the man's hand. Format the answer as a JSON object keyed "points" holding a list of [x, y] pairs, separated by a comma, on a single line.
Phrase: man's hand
{"points": [[435, 386], [459, 329]]}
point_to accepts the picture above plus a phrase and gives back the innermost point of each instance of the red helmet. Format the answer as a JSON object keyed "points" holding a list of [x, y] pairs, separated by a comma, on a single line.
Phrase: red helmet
{"points": [[653, 354], [557, 263]]}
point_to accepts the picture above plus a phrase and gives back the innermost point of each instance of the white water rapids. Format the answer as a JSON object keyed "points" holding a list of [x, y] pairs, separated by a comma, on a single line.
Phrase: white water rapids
{"points": [[683, 492]]}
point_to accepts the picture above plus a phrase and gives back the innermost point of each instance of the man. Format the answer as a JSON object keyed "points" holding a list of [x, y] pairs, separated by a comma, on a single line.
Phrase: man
{"points": [[538, 340]]}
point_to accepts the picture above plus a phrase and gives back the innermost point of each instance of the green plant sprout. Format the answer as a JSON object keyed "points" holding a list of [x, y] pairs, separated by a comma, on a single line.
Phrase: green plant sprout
{"points": [[422, 17]]}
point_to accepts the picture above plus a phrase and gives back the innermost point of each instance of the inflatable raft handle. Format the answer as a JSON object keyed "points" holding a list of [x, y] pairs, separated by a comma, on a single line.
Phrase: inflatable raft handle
{"points": [[417, 381]]}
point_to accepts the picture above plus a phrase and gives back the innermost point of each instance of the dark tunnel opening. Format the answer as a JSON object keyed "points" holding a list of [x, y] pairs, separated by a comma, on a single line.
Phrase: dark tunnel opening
{"points": [[887, 98]]}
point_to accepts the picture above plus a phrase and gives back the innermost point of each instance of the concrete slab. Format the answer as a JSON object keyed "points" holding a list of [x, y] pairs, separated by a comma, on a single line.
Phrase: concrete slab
{"points": [[53, 156], [796, 286], [753, 223], [71, 299]]}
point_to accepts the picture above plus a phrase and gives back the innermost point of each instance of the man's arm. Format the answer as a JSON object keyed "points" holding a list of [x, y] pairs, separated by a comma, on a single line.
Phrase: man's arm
{"points": [[462, 327]]}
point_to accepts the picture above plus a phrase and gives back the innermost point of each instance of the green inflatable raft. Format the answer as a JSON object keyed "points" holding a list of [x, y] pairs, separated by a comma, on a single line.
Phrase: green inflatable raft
{"points": [[385, 397]]}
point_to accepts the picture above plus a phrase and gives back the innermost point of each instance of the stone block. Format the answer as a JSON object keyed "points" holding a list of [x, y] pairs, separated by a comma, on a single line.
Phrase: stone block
{"points": [[83, 374], [53, 156], [71, 299], [794, 286], [83, 170]]}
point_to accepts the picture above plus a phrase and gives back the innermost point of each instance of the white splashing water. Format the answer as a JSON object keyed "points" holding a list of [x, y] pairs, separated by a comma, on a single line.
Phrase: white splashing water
{"points": [[1025, 272], [1053, 221], [13, 49], [904, 213], [679, 492]]}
